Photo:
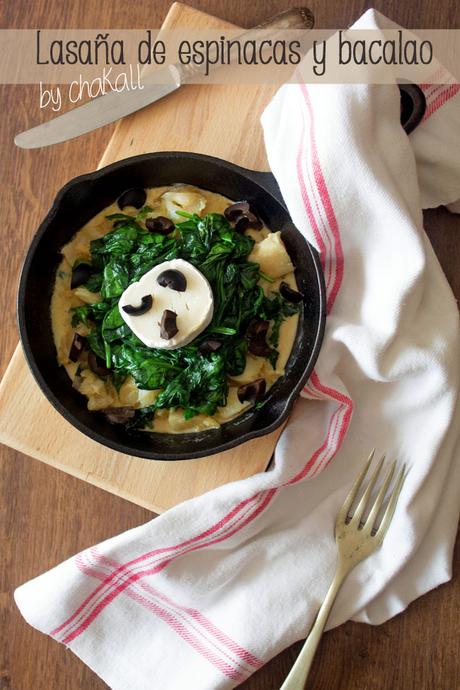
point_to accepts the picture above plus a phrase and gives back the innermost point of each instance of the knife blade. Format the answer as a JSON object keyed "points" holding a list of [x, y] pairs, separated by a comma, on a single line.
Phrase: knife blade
{"points": [[98, 112], [114, 105]]}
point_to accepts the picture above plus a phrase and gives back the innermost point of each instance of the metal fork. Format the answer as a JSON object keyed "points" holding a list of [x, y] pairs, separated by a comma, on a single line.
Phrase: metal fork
{"points": [[356, 538]]}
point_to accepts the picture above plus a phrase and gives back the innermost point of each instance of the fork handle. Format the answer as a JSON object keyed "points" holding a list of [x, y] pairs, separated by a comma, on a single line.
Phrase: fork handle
{"points": [[299, 672]]}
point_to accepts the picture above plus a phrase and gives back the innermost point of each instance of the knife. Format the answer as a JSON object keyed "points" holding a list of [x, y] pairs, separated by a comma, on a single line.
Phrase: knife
{"points": [[114, 105]]}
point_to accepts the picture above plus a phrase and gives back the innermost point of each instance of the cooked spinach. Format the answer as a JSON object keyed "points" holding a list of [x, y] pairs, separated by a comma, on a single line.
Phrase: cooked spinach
{"points": [[187, 378]]}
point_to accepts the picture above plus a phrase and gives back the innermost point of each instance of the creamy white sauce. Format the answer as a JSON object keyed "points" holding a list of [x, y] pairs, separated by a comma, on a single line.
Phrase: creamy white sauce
{"points": [[194, 306]]}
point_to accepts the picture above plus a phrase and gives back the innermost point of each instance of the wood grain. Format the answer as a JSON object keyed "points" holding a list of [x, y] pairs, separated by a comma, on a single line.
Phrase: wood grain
{"points": [[31, 425], [46, 516], [192, 119]]}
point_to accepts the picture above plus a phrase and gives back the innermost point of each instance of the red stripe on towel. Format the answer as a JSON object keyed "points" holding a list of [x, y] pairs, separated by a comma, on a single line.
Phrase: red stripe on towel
{"points": [[340, 419], [347, 409], [207, 631], [307, 204], [326, 202], [125, 571], [126, 566], [441, 99], [134, 577], [207, 624]]}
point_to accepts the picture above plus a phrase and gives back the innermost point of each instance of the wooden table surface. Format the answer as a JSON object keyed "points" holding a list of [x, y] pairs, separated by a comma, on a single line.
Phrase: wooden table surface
{"points": [[419, 649]]}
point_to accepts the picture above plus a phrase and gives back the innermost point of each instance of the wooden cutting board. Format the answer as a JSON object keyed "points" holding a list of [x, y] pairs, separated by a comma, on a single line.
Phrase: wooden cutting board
{"points": [[220, 120]]}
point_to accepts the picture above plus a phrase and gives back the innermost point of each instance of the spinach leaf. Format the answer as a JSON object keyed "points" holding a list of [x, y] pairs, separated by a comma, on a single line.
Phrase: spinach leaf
{"points": [[96, 343], [81, 315], [116, 279], [94, 283], [113, 326]]}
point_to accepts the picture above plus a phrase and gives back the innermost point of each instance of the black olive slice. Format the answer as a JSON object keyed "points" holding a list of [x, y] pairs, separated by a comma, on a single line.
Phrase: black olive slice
{"points": [[253, 391], [208, 346], [249, 220], [168, 324], [78, 344], [257, 329], [259, 348], [241, 214], [97, 365], [136, 196], [172, 279], [118, 415], [80, 275], [256, 334], [235, 211], [289, 294], [145, 305], [160, 224]]}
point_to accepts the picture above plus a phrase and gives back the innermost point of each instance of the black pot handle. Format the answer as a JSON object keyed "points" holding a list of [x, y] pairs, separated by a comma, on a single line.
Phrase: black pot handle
{"points": [[413, 106], [267, 181]]}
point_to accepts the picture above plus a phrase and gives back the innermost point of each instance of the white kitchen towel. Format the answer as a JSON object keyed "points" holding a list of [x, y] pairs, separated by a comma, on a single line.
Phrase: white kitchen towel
{"points": [[203, 595]]}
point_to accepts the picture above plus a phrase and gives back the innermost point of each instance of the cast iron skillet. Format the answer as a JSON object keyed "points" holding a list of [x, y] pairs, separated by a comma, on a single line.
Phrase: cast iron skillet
{"points": [[77, 202]]}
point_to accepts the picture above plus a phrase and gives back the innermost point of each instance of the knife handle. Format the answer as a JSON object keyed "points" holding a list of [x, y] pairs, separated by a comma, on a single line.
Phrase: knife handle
{"points": [[295, 18]]}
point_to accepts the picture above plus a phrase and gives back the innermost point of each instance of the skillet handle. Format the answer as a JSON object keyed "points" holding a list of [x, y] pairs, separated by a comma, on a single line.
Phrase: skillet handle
{"points": [[267, 181], [413, 105]]}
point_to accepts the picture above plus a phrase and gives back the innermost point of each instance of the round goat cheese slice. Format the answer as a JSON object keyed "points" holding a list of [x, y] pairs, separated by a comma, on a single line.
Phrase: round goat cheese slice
{"points": [[193, 306]]}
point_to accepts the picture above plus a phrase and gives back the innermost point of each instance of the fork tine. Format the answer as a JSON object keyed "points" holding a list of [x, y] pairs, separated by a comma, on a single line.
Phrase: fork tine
{"points": [[361, 507], [380, 496], [390, 509], [342, 516]]}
